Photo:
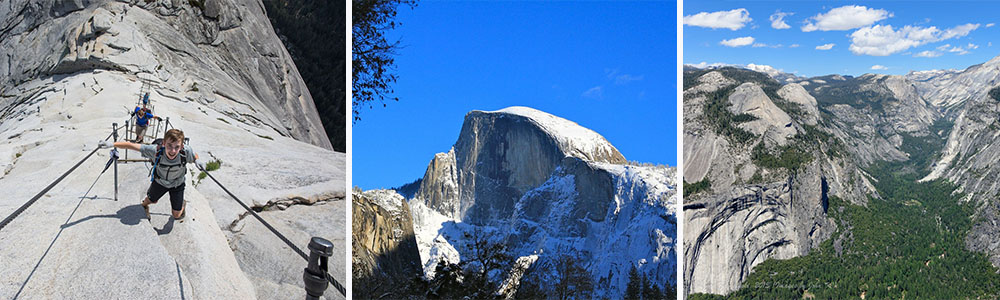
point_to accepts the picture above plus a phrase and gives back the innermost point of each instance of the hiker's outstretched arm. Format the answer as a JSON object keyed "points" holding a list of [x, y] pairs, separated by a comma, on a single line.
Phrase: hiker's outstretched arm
{"points": [[127, 145]]}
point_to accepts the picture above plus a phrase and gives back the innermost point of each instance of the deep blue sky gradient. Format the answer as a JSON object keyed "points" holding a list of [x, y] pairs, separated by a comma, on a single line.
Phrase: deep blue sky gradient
{"points": [[463, 56], [702, 44]]}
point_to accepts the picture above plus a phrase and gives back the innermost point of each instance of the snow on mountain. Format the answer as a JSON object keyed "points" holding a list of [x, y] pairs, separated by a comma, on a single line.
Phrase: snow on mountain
{"points": [[432, 241], [547, 187], [573, 139]]}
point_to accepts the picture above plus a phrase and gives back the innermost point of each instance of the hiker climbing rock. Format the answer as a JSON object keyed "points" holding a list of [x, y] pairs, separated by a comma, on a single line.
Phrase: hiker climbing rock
{"points": [[169, 157], [142, 115]]}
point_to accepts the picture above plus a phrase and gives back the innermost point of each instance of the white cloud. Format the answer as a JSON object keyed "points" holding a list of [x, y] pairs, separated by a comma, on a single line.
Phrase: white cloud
{"points": [[957, 49], [879, 67], [778, 20], [845, 18], [737, 42], [769, 70], [989, 25], [883, 40], [596, 92], [626, 78], [928, 53], [825, 47], [758, 45], [620, 78], [732, 19], [958, 31], [793, 46]]}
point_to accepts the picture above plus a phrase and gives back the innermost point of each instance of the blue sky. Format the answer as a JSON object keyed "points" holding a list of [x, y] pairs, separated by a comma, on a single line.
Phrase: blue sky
{"points": [[608, 66], [885, 37]]}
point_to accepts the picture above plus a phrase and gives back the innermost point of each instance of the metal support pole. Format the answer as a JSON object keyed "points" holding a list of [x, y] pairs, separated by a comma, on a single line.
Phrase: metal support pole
{"points": [[127, 129], [114, 133], [314, 275]]}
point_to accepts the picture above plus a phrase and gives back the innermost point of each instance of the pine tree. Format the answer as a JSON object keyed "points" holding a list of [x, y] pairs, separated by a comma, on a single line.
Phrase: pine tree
{"points": [[634, 287], [574, 280], [373, 54]]}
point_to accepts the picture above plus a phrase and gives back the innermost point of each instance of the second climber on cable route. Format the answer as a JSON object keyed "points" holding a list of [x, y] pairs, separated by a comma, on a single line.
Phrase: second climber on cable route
{"points": [[142, 116]]}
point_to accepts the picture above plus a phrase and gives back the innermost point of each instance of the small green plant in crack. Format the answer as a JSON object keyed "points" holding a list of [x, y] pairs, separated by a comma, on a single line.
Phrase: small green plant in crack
{"points": [[210, 166], [213, 165]]}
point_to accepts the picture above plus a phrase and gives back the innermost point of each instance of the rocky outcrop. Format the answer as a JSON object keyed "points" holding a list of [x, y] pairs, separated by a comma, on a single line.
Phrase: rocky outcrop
{"points": [[749, 98], [385, 257], [547, 188], [439, 186], [745, 225], [797, 94], [501, 155]]}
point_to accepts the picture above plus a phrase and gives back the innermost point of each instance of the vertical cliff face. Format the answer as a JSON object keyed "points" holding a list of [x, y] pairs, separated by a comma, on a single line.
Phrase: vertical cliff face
{"points": [[385, 257], [547, 188], [439, 186], [969, 157], [501, 155]]}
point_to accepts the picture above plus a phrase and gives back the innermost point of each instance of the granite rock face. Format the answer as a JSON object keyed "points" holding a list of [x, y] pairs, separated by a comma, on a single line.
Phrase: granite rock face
{"points": [[970, 158], [755, 210], [224, 53], [546, 188], [749, 98], [69, 69], [501, 155], [744, 218], [385, 256]]}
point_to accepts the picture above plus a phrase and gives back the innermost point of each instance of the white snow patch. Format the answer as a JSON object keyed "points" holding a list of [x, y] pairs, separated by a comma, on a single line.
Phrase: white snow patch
{"points": [[387, 199], [577, 140], [432, 244]]}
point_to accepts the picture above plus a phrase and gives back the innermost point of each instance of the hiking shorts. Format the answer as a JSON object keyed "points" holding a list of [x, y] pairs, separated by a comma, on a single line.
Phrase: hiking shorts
{"points": [[139, 132], [156, 191]]}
